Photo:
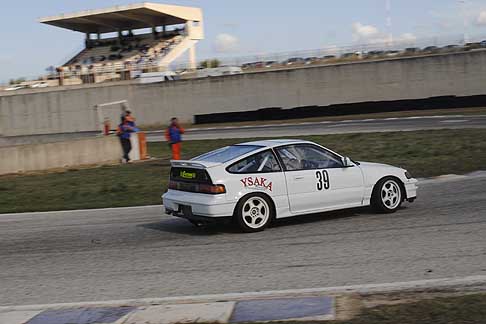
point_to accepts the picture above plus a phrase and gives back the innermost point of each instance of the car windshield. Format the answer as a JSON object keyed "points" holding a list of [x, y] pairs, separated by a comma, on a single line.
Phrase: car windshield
{"points": [[227, 153]]}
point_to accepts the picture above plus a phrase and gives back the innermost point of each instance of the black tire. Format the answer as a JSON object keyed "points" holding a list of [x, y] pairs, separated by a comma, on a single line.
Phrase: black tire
{"points": [[387, 196], [254, 212]]}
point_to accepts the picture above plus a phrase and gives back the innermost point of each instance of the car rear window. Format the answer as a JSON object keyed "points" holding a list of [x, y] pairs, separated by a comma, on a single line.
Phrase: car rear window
{"points": [[227, 153]]}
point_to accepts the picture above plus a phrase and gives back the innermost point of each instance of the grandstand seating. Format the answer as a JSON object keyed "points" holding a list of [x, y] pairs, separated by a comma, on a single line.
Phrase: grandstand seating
{"points": [[113, 54]]}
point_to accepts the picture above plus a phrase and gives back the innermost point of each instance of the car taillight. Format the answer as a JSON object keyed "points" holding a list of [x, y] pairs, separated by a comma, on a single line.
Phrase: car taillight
{"points": [[212, 189], [173, 185], [197, 187]]}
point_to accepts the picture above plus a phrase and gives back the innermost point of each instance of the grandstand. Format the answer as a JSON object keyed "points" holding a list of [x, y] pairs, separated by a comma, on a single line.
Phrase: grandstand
{"points": [[123, 41]]}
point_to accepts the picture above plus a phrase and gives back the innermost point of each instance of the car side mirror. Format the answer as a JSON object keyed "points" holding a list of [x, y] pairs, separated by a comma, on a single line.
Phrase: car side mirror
{"points": [[347, 163]]}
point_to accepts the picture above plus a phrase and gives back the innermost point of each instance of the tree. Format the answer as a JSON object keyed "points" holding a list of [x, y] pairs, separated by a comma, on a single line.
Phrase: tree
{"points": [[215, 63], [16, 81], [206, 64]]}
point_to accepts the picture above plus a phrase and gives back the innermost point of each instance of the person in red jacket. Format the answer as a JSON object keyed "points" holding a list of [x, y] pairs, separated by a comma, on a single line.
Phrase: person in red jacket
{"points": [[173, 135]]}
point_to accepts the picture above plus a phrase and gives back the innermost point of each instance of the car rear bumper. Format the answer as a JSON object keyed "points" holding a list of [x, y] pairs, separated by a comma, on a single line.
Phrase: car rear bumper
{"points": [[193, 205]]}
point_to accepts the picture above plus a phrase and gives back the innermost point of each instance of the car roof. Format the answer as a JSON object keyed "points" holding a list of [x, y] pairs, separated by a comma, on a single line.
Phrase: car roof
{"points": [[275, 142]]}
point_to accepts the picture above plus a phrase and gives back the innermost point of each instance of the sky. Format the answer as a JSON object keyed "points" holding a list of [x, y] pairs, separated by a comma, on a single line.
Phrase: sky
{"points": [[243, 28]]}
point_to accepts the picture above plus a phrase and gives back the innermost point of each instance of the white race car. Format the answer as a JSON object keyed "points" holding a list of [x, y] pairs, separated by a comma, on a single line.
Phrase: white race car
{"points": [[256, 182]]}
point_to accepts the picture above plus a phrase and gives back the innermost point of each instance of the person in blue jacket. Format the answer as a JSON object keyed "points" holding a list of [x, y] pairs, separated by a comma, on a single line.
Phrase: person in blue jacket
{"points": [[124, 132]]}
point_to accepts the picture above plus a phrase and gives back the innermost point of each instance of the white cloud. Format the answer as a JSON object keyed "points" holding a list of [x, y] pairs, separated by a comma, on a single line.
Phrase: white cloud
{"points": [[331, 50], [226, 43], [361, 31], [368, 34], [481, 19], [406, 38]]}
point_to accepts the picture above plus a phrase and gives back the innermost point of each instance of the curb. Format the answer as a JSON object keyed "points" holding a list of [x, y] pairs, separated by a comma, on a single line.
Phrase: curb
{"points": [[314, 304]]}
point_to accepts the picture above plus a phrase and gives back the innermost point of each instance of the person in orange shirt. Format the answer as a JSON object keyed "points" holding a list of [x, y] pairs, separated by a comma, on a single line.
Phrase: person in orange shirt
{"points": [[173, 135]]}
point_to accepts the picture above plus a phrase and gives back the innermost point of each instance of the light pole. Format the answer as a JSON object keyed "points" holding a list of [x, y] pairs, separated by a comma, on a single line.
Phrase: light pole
{"points": [[389, 22], [463, 4]]}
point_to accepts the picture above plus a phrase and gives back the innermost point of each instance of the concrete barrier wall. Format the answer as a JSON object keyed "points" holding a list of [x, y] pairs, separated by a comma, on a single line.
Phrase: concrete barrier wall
{"points": [[70, 109], [35, 157]]}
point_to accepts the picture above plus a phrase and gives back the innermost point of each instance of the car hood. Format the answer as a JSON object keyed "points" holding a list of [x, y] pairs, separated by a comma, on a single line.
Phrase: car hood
{"points": [[374, 165], [375, 171]]}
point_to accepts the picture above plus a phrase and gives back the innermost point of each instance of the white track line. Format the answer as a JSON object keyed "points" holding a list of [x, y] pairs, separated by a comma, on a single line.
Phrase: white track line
{"points": [[324, 122], [81, 210], [454, 121], [365, 288]]}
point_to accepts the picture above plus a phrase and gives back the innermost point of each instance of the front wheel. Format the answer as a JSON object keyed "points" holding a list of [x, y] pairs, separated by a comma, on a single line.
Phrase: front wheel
{"points": [[387, 196], [253, 213]]}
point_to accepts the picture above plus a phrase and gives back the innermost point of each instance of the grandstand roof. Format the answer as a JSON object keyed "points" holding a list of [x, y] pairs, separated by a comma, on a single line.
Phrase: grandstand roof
{"points": [[133, 16]]}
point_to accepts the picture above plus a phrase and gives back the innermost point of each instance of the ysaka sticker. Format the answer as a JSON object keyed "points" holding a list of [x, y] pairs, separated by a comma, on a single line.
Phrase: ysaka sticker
{"points": [[257, 182]]}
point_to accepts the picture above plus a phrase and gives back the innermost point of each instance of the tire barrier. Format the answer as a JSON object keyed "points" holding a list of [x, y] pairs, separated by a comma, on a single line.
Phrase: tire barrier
{"points": [[277, 113]]}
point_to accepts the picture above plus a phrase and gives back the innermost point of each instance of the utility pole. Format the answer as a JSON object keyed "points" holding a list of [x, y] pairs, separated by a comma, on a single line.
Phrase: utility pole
{"points": [[389, 22], [465, 37]]}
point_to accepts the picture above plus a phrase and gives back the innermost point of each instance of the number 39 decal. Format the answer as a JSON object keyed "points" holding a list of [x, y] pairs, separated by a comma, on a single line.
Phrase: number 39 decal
{"points": [[322, 180]]}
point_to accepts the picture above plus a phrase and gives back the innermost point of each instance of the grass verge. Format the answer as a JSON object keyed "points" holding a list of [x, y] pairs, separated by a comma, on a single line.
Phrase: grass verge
{"points": [[423, 153], [467, 309]]}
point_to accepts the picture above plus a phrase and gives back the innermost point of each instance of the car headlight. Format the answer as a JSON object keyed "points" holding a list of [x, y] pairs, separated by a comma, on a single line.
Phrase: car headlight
{"points": [[408, 175]]}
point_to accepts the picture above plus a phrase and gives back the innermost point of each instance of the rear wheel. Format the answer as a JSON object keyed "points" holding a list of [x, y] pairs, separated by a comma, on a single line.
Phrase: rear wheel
{"points": [[254, 212], [387, 195]]}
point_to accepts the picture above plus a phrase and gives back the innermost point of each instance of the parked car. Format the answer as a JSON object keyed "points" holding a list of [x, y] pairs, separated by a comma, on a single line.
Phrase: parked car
{"points": [[430, 49], [269, 64], [15, 87], [410, 50], [219, 71], [472, 46], [310, 60], [391, 53], [41, 84], [372, 54], [450, 49], [350, 55], [294, 60], [329, 57]]}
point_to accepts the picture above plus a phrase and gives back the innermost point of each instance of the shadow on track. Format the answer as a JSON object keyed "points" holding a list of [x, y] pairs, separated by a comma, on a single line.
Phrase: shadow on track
{"points": [[181, 226], [322, 217]]}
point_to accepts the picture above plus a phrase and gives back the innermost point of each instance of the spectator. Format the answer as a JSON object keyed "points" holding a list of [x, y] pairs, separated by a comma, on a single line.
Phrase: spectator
{"points": [[124, 132], [129, 117], [173, 134]]}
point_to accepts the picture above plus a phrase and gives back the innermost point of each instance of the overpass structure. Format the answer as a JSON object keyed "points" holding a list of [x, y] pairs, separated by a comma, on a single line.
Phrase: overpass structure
{"points": [[135, 37]]}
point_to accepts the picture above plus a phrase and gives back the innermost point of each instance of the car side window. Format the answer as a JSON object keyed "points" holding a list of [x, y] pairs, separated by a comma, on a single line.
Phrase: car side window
{"points": [[262, 162], [307, 157]]}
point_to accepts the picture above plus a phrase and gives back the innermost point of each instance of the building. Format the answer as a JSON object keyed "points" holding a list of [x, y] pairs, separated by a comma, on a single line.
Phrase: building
{"points": [[123, 41]]}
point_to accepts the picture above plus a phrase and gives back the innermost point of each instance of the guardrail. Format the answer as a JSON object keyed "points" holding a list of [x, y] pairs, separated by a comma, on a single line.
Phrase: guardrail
{"points": [[115, 71]]}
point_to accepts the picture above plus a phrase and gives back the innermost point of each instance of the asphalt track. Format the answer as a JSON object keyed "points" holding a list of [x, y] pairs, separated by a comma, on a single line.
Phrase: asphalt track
{"points": [[139, 253], [286, 129], [334, 127]]}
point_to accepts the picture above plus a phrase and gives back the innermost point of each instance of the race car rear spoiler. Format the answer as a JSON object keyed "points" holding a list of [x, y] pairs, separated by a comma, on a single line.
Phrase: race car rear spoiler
{"points": [[194, 164]]}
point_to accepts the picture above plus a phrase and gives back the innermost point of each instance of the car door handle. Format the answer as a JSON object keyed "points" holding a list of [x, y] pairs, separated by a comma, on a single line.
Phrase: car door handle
{"points": [[298, 178]]}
